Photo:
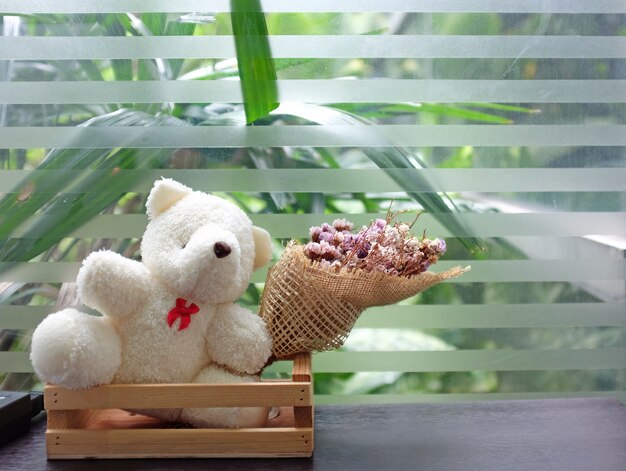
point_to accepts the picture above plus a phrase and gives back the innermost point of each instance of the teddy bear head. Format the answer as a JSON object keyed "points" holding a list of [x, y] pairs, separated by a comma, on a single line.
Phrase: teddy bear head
{"points": [[201, 247]]}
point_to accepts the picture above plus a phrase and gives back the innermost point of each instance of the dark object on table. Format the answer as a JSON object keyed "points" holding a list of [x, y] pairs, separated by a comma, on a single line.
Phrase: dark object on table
{"points": [[16, 410]]}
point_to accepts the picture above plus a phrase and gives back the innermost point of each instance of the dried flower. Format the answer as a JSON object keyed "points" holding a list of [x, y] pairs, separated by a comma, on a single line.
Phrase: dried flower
{"points": [[379, 247], [342, 225]]}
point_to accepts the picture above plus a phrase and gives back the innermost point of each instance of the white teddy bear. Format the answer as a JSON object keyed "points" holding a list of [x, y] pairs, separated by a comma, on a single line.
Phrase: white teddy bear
{"points": [[172, 318]]}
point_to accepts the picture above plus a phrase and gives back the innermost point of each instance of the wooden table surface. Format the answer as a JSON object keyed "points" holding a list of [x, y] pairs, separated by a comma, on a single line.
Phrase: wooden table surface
{"points": [[558, 434]]}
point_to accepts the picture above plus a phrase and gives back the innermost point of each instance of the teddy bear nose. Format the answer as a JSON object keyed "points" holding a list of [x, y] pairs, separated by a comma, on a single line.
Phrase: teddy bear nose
{"points": [[221, 249]]}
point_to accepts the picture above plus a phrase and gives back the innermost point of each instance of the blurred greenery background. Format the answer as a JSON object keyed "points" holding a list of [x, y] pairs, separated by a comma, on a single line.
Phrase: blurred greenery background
{"points": [[57, 246]]}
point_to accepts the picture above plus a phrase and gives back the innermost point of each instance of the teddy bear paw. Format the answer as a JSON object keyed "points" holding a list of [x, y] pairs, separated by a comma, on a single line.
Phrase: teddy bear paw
{"points": [[75, 350]]}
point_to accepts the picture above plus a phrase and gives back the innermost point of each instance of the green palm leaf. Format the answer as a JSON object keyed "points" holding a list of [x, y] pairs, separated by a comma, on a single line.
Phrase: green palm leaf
{"points": [[46, 207], [254, 58], [389, 159]]}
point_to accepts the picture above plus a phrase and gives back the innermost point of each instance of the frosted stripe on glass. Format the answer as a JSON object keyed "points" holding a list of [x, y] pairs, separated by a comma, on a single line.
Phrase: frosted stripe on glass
{"points": [[357, 180], [330, 47], [15, 362], [23, 317], [39, 272], [449, 398], [482, 225], [470, 360], [321, 91], [463, 6], [316, 136], [487, 271], [557, 224], [489, 316], [444, 316], [460, 360]]}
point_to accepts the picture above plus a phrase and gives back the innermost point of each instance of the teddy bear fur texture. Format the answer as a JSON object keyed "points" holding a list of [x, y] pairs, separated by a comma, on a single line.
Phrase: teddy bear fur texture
{"points": [[171, 318]]}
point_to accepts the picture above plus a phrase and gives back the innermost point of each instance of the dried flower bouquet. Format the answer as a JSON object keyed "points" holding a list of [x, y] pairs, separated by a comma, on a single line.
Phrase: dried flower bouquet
{"points": [[316, 292]]}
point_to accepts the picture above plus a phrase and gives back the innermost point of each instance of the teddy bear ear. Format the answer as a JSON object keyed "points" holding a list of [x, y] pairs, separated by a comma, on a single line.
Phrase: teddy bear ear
{"points": [[262, 246], [164, 194]]}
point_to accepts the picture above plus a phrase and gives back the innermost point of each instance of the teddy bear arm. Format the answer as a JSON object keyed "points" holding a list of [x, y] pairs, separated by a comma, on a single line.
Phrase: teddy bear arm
{"points": [[112, 284], [239, 340]]}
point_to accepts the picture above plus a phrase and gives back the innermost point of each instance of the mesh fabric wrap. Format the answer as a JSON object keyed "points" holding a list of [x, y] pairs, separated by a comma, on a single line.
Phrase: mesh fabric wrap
{"points": [[310, 308]]}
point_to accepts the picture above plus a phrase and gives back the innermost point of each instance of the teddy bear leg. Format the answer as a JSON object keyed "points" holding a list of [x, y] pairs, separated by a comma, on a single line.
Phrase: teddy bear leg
{"points": [[227, 417], [76, 350]]}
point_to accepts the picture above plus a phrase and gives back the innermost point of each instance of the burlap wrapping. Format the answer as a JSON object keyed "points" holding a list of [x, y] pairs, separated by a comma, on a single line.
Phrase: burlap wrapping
{"points": [[309, 308]]}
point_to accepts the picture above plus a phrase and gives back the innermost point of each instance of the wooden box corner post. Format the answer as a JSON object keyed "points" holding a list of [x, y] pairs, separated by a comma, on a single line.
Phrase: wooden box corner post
{"points": [[92, 423]]}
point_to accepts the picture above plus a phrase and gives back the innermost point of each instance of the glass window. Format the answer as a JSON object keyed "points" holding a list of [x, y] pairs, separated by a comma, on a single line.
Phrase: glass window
{"points": [[502, 121]]}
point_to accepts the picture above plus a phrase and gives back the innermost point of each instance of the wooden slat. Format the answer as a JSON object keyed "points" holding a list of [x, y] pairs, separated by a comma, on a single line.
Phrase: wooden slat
{"points": [[301, 374], [138, 396], [70, 419], [301, 367], [303, 417], [179, 443]]}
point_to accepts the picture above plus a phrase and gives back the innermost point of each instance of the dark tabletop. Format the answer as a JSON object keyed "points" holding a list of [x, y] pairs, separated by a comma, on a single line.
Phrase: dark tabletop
{"points": [[559, 434]]}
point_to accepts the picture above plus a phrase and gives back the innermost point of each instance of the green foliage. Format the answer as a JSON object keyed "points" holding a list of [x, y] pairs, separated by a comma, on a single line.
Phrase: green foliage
{"points": [[254, 59], [46, 193], [39, 214]]}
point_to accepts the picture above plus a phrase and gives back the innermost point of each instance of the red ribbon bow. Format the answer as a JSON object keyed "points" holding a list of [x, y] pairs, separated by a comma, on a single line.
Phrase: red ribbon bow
{"points": [[183, 312]]}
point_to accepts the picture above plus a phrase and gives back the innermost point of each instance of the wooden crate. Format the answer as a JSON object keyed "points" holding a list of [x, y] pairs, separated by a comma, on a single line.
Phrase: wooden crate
{"points": [[91, 423]]}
